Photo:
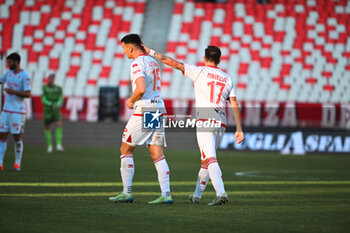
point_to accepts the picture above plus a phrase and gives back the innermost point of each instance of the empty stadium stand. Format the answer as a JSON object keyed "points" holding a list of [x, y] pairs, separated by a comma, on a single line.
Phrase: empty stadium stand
{"points": [[283, 51], [78, 40]]}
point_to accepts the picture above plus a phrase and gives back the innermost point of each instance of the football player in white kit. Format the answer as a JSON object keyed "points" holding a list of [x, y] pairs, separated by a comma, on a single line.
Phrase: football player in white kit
{"points": [[212, 88], [145, 80], [17, 87]]}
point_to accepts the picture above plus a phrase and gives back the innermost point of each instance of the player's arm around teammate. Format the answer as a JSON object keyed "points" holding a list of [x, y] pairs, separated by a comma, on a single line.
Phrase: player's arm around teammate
{"points": [[239, 135], [165, 59], [212, 88]]}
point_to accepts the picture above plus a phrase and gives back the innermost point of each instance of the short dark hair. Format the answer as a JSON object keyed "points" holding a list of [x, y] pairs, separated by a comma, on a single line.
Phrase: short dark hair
{"points": [[14, 57], [213, 53], [132, 39]]}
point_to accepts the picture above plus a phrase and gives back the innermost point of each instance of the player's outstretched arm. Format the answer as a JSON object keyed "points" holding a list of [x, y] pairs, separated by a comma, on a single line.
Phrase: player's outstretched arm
{"points": [[239, 135], [165, 59]]}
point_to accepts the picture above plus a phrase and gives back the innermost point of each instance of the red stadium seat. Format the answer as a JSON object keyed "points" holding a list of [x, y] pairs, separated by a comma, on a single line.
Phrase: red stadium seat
{"points": [[64, 27], [278, 36], [294, 43]]}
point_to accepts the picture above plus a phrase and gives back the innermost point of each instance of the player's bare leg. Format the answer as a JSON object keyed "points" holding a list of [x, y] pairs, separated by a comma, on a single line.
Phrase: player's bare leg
{"points": [[48, 138], [127, 171], [156, 153], [18, 151], [59, 136], [3, 146]]}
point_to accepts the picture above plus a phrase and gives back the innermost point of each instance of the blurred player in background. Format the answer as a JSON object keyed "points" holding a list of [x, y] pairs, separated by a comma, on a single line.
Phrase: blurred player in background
{"points": [[52, 100], [145, 80], [212, 88], [17, 87]]}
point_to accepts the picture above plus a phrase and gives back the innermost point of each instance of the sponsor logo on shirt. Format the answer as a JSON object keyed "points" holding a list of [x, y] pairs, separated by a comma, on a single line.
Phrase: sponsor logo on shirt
{"points": [[136, 71], [155, 101]]}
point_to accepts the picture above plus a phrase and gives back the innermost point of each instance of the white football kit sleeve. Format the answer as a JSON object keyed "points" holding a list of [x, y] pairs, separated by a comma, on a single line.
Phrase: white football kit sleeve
{"points": [[13, 114], [212, 87], [134, 133]]}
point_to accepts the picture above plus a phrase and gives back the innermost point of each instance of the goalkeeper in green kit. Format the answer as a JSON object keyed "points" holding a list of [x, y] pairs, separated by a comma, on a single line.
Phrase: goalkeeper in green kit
{"points": [[52, 100]]}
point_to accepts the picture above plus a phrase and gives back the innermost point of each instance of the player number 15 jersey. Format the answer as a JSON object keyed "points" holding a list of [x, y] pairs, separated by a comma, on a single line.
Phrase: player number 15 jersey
{"points": [[146, 67]]}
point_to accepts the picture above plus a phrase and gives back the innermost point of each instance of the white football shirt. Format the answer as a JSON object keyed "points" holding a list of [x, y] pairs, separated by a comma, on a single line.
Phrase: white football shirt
{"points": [[146, 67], [18, 82], [212, 87]]}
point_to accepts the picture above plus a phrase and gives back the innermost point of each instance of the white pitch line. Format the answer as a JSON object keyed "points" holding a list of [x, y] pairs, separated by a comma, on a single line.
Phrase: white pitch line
{"points": [[233, 193], [176, 183], [87, 184], [253, 174]]}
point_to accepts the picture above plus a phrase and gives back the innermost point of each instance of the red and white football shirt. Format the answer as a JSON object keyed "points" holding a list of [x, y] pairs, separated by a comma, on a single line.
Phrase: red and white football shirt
{"points": [[146, 67], [212, 87], [134, 134]]}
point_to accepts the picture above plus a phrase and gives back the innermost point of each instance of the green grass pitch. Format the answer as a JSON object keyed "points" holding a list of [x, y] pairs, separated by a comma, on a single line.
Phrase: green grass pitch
{"points": [[267, 193]]}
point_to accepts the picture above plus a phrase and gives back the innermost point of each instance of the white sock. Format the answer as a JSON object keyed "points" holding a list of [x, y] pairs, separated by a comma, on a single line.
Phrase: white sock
{"points": [[19, 151], [216, 176], [3, 145], [127, 170], [202, 181], [163, 175]]}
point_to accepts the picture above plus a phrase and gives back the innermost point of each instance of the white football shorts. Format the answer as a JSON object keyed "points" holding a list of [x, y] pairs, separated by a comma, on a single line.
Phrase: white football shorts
{"points": [[209, 141], [135, 135], [12, 122]]}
